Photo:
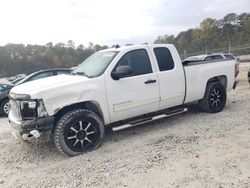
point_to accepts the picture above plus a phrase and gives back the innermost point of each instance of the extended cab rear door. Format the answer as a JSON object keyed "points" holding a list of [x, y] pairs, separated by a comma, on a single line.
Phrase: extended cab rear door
{"points": [[137, 93], [170, 74]]}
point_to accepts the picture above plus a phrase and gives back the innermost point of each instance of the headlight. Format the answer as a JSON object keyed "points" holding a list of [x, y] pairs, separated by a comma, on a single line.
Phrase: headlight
{"points": [[32, 109], [32, 104], [28, 109], [19, 96]]}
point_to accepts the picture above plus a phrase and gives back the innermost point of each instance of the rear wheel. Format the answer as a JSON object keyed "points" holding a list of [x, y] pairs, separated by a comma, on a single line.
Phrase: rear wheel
{"points": [[5, 108], [78, 131], [214, 99]]}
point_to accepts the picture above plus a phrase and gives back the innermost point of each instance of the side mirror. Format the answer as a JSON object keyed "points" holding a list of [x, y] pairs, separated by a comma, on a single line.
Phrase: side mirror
{"points": [[121, 71]]}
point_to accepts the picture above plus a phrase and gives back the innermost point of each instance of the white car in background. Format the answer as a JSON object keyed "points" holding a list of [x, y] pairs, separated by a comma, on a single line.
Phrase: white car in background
{"points": [[209, 57]]}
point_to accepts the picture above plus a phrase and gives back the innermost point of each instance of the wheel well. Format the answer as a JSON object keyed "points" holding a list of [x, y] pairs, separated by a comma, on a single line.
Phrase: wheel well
{"points": [[222, 79], [89, 105]]}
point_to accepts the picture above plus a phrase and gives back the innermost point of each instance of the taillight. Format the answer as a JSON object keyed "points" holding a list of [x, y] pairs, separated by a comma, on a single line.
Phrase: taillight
{"points": [[236, 70]]}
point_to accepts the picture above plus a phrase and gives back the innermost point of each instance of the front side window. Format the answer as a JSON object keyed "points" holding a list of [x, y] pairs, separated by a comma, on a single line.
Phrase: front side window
{"points": [[164, 58], [96, 64], [138, 60]]}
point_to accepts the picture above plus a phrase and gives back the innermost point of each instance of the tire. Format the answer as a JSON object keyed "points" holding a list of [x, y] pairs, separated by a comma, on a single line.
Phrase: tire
{"points": [[5, 108], [78, 131], [214, 99]]}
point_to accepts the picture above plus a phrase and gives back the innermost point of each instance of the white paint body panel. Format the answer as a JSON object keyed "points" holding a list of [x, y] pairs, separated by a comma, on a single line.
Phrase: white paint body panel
{"points": [[64, 90], [198, 75], [129, 97], [171, 82]]}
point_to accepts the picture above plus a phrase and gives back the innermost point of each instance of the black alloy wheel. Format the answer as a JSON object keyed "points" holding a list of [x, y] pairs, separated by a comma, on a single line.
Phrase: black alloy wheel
{"points": [[214, 99], [78, 131], [81, 135]]}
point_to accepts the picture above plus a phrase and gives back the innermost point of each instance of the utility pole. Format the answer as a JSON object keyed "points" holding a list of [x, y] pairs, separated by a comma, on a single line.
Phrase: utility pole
{"points": [[206, 49], [229, 47]]}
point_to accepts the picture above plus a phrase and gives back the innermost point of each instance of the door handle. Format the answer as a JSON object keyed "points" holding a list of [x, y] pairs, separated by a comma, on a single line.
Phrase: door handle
{"points": [[150, 81]]}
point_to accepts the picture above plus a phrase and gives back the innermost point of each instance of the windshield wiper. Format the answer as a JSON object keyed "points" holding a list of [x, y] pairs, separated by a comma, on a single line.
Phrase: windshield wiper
{"points": [[80, 73]]}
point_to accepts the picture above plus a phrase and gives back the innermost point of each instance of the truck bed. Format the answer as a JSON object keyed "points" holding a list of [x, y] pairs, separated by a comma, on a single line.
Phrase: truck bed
{"points": [[198, 73]]}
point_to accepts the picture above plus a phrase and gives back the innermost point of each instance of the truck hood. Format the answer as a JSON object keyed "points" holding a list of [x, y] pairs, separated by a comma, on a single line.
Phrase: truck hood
{"points": [[63, 90], [36, 87]]}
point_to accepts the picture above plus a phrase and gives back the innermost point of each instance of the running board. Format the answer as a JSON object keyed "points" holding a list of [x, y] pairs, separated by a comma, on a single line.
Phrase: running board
{"points": [[146, 120]]}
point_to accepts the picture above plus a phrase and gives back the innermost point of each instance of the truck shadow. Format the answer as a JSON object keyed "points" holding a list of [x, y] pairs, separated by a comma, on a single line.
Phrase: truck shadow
{"points": [[151, 127], [46, 151]]}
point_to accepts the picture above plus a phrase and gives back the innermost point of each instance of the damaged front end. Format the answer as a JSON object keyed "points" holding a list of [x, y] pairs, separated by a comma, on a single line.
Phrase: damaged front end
{"points": [[29, 119]]}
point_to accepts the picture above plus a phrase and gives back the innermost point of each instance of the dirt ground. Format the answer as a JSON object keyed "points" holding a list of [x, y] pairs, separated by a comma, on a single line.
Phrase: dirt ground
{"points": [[194, 149]]}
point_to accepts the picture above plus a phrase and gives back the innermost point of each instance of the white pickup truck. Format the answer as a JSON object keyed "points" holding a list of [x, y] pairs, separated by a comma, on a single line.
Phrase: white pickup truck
{"points": [[118, 87]]}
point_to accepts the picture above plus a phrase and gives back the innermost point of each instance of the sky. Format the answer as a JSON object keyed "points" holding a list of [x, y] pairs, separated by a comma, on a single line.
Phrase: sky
{"points": [[105, 22]]}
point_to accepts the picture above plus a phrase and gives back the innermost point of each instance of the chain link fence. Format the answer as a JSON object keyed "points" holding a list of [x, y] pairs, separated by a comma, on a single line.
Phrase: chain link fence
{"points": [[239, 51]]}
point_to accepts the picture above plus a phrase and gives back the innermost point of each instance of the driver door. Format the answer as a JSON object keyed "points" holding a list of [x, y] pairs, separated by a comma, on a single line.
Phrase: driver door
{"points": [[134, 94]]}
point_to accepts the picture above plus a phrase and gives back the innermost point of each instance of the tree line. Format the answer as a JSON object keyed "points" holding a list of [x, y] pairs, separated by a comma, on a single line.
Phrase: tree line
{"points": [[232, 30], [18, 58]]}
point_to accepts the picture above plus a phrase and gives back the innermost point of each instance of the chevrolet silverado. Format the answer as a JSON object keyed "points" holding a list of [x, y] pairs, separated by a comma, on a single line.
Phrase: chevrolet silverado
{"points": [[118, 87]]}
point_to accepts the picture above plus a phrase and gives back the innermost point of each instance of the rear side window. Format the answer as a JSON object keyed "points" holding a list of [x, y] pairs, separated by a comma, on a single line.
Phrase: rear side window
{"points": [[138, 60], [164, 58]]}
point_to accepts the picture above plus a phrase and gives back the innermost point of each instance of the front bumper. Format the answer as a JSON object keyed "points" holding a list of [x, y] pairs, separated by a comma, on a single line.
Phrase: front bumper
{"points": [[24, 127]]}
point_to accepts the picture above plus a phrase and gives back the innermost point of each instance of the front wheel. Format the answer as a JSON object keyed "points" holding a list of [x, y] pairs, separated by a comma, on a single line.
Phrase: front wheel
{"points": [[78, 131], [214, 99]]}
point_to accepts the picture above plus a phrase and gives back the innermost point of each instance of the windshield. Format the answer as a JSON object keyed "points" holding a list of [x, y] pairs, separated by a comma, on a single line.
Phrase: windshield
{"points": [[96, 64]]}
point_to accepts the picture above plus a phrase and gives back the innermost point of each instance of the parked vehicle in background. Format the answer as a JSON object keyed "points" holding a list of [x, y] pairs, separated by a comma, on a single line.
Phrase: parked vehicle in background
{"points": [[117, 87], [216, 56], [17, 80], [16, 77], [248, 76], [194, 58], [5, 81], [4, 99], [44, 74], [209, 57], [4, 103]]}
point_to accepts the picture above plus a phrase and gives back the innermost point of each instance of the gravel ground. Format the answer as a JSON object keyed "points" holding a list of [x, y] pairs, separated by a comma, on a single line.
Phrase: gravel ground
{"points": [[194, 149]]}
